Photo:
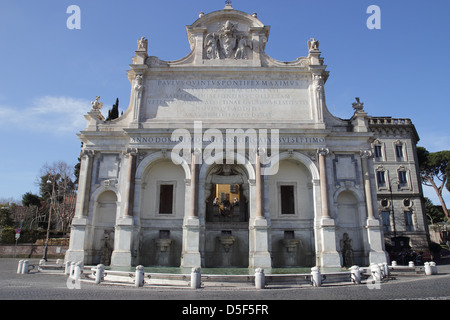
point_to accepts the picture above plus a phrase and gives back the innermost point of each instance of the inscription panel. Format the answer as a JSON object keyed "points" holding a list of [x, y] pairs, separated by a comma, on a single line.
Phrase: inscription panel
{"points": [[228, 99]]}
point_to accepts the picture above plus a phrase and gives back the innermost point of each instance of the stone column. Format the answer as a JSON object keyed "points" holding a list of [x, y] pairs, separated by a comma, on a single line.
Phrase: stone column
{"points": [[129, 191], [365, 155], [190, 256], [78, 230], [323, 152], [259, 256], [193, 212], [84, 185], [121, 255], [259, 189], [329, 257], [377, 254]]}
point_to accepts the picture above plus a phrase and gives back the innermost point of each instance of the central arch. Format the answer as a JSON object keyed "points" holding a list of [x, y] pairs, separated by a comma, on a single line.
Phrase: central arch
{"points": [[225, 210]]}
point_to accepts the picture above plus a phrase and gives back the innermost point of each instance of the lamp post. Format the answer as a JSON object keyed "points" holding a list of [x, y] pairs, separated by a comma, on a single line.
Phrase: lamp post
{"points": [[49, 218]]}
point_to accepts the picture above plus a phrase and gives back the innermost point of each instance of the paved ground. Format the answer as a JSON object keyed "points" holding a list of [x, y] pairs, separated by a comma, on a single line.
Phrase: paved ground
{"points": [[41, 286]]}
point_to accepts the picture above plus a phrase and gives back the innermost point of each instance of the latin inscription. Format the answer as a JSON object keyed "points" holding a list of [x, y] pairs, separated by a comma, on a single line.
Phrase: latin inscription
{"points": [[281, 140], [228, 99]]}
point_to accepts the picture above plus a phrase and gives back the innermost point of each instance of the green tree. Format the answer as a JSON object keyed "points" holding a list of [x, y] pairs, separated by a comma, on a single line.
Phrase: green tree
{"points": [[30, 199], [58, 192], [114, 112], [5, 216], [434, 171], [434, 213]]}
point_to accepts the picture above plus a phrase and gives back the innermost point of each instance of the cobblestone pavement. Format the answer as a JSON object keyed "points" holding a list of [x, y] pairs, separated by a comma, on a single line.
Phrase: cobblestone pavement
{"points": [[42, 286]]}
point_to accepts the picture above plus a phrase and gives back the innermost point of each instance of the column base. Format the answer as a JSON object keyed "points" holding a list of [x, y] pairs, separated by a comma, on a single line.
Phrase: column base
{"points": [[76, 250], [190, 257], [121, 256], [329, 257], [260, 260], [121, 259], [259, 257], [377, 254], [74, 255]]}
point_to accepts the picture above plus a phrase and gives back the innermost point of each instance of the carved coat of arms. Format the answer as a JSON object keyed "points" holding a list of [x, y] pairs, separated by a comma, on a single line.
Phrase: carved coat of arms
{"points": [[228, 42]]}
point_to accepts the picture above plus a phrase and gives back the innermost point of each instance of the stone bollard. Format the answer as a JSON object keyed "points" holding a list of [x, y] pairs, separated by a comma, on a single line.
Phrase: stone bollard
{"points": [[428, 271], [382, 270], [67, 268], [99, 272], [42, 262], [72, 269], [25, 267], [386, 269], [394, 263], [411, 264], [139, 277], [196, 278], [77, 271], [316, 279], [356, 274], [260, 278], [433, 267], [19, 267], [376, 272], [59, 262]]}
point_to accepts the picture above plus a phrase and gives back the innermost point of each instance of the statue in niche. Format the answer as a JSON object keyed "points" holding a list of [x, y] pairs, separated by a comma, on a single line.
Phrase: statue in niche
{"points": [[347, 250]]}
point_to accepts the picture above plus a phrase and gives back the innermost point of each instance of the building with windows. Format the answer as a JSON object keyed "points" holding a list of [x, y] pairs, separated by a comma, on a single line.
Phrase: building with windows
{"points": [[399, 191], [230, 158]]}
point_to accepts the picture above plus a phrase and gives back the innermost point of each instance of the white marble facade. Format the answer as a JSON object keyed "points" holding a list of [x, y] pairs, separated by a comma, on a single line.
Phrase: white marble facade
{"points": [[318, 205]]}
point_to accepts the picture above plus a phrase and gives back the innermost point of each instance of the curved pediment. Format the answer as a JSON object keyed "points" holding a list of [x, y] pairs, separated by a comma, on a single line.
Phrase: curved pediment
{"points": [[227, 34]]}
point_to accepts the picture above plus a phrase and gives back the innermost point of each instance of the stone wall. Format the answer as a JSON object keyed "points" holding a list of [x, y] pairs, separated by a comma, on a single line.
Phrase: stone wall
{"points": [[32, 251]]}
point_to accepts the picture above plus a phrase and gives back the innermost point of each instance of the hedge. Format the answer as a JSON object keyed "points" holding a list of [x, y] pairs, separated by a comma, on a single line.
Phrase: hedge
{"points": [[8, 235]]}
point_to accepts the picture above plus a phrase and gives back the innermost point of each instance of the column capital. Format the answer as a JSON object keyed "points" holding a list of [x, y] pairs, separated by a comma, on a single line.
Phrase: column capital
{"points": [[87, 153], [131, 152], [323, 152], [366, 154]]}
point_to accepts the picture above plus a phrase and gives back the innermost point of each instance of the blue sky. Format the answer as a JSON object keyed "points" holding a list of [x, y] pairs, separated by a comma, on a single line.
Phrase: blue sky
{"points": [[49, 73]]}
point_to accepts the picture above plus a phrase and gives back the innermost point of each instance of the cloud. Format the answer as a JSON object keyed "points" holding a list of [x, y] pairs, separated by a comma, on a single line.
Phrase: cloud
{"points": [[49, 113]]}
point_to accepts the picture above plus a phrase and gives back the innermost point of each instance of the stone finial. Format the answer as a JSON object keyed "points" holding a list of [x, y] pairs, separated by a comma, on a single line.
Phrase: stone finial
{"points": [[96, 105], [228, 4], [142, 44], [358, 105], [313, 44]]}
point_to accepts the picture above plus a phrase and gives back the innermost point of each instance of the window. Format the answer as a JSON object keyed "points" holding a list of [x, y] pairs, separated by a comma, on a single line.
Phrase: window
{"points": [[402, 180], [386, 220], [378, 153], [166, 199], [399, 152], [409, 226], [287, 200], [381, 179]]}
